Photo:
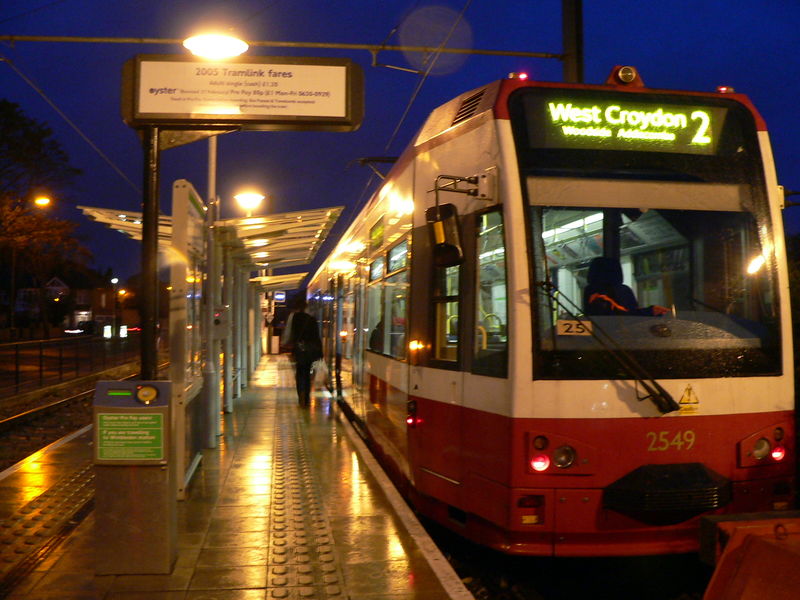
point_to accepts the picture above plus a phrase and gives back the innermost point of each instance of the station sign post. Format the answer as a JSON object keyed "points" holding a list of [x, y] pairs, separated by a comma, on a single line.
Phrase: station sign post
{"points": [[254, 93], [163, 93]]}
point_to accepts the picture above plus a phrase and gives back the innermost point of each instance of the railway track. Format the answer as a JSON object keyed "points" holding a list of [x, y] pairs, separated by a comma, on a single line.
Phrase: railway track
{"points": [[38, 423], [35, 428]]}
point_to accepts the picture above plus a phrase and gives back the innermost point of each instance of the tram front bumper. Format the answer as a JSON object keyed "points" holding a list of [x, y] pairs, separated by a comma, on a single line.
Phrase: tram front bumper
{"points": [[668, 494]]}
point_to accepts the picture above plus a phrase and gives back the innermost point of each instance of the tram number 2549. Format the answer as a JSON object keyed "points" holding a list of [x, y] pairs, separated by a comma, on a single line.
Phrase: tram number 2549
{"points": [[661, 441]]}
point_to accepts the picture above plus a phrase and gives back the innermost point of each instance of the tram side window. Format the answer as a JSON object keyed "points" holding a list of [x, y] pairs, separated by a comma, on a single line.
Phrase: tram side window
{"points": [[375, 316], [396, 299], [387, 301], [491, 318], [446, 304]]}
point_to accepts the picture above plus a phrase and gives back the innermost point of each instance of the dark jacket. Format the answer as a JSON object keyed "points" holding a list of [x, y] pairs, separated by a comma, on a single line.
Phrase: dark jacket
{"points": [[605, 294], [304, 337]]}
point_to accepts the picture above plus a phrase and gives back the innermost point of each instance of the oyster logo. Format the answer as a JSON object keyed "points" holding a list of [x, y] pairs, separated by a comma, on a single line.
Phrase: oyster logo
{"points": [[616, 121]]}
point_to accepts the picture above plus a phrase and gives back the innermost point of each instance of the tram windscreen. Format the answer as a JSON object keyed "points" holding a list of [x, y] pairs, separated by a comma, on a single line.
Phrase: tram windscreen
{"points": [[650, 234], [682, 278]]}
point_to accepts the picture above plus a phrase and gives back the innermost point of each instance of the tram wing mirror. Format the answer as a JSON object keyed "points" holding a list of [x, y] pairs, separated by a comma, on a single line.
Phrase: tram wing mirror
{"points": [[444, 233]]}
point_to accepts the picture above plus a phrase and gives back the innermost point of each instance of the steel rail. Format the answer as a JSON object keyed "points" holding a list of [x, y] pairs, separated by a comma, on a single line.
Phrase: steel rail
{"points": [[24, 417]]}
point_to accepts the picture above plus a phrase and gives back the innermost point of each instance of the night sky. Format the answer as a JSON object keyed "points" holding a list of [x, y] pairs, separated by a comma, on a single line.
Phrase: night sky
{"points": [[692, 45]]}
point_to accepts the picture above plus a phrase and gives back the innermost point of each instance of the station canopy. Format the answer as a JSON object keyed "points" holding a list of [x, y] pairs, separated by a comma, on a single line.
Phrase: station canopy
{"points": [[272, 241]]}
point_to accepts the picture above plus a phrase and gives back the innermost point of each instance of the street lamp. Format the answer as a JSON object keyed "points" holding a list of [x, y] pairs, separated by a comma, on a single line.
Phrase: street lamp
{"points": [[249, 201], [118, 296], [41, 202], [215, 46]]}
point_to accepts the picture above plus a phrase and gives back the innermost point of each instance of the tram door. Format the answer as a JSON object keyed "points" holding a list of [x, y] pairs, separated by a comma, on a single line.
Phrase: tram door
{"points": [[436, 384]]}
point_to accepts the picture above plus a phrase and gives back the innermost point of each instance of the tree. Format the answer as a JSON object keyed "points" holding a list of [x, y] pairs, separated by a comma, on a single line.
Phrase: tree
{"points": [[32, 162], [30, 158]]}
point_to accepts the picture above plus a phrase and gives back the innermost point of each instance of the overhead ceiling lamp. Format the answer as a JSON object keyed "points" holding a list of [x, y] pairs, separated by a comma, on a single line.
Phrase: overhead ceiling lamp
{"points": [[214, 46]]}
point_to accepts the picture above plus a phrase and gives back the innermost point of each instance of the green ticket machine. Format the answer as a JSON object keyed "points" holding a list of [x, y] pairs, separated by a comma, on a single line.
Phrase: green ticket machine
{"points": [[135, 497]]}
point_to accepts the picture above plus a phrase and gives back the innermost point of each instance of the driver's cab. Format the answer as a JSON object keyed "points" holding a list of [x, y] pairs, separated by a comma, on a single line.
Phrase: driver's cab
{"points": [[702, 273]]}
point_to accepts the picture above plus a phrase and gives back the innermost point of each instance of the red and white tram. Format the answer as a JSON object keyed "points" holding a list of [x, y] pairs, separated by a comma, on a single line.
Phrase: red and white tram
{"points": [[458, 307]]}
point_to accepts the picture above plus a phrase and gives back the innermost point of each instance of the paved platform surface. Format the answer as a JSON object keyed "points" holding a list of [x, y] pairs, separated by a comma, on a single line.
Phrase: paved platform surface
{"points": [[285, 507]]}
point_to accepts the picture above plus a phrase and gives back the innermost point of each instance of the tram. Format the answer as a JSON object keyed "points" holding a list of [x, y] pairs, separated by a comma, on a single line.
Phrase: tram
{"points": [[538, 403]]}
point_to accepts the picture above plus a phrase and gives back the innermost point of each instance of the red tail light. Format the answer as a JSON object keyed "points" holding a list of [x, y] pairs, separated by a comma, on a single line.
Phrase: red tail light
{"points": [[778, 453], [540, 462]]}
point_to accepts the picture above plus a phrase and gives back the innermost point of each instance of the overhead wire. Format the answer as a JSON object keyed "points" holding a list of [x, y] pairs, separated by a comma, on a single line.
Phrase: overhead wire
{"points": [[364, 196], [70, 122], [424, 77]]}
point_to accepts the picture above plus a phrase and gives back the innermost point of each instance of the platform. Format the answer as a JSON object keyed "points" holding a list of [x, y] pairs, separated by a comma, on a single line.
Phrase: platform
{"points": [[288, 506]]}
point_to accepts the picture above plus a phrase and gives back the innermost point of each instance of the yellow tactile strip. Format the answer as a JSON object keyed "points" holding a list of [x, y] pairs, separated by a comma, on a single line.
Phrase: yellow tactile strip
{"points": [[302, 562], [24, 533]]}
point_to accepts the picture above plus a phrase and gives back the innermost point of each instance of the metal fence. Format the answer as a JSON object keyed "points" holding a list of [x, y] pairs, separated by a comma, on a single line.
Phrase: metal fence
{"points": [[26, 366]]}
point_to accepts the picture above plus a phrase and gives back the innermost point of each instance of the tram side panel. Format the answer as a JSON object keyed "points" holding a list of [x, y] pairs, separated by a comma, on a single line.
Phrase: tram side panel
{"points": [[456, 453]]}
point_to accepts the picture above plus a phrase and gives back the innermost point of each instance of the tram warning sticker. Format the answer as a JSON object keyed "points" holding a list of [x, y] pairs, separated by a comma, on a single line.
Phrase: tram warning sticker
{"points": [[565, 327], [689, 402]]}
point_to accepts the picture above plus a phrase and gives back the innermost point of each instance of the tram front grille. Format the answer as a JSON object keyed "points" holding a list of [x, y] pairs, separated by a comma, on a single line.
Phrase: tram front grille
{"points": [[667, 494]]}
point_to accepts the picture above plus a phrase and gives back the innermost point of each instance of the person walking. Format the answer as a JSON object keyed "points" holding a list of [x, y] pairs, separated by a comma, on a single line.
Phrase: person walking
{"points": [[305, 346]]}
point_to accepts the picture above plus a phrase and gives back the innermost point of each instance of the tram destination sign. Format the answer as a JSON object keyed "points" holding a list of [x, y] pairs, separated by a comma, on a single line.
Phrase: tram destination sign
{"points": [[263, 93], [601, 121]]}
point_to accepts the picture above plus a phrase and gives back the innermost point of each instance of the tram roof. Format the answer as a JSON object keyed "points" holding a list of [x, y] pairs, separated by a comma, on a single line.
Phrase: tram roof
{"points": [[270, 241]]}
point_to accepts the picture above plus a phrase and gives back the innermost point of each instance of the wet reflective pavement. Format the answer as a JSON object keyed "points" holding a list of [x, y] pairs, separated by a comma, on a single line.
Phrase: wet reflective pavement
{"points": [[285, 507]]}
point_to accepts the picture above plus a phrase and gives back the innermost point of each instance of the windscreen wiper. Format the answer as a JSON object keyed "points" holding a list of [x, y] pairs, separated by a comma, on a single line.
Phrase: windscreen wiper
{"points": [[660, 397]]}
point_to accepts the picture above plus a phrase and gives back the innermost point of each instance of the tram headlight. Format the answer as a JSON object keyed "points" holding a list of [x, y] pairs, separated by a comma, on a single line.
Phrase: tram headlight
{"points": [[767, 446], [564, 457], [761, 448]]}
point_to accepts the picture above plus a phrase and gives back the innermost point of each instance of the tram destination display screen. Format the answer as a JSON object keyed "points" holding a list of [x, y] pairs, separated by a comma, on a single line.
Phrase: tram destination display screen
{"points": [[599, 120]]}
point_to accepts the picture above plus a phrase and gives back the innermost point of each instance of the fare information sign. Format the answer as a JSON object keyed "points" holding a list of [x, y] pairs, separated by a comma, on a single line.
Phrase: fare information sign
{"points": [[254, 93], [123, 436]]}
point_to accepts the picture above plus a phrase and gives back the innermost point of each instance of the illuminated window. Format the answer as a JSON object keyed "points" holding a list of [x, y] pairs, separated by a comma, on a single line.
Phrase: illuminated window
{"points": [[446, 302], [387, 303], [491, 319]]}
